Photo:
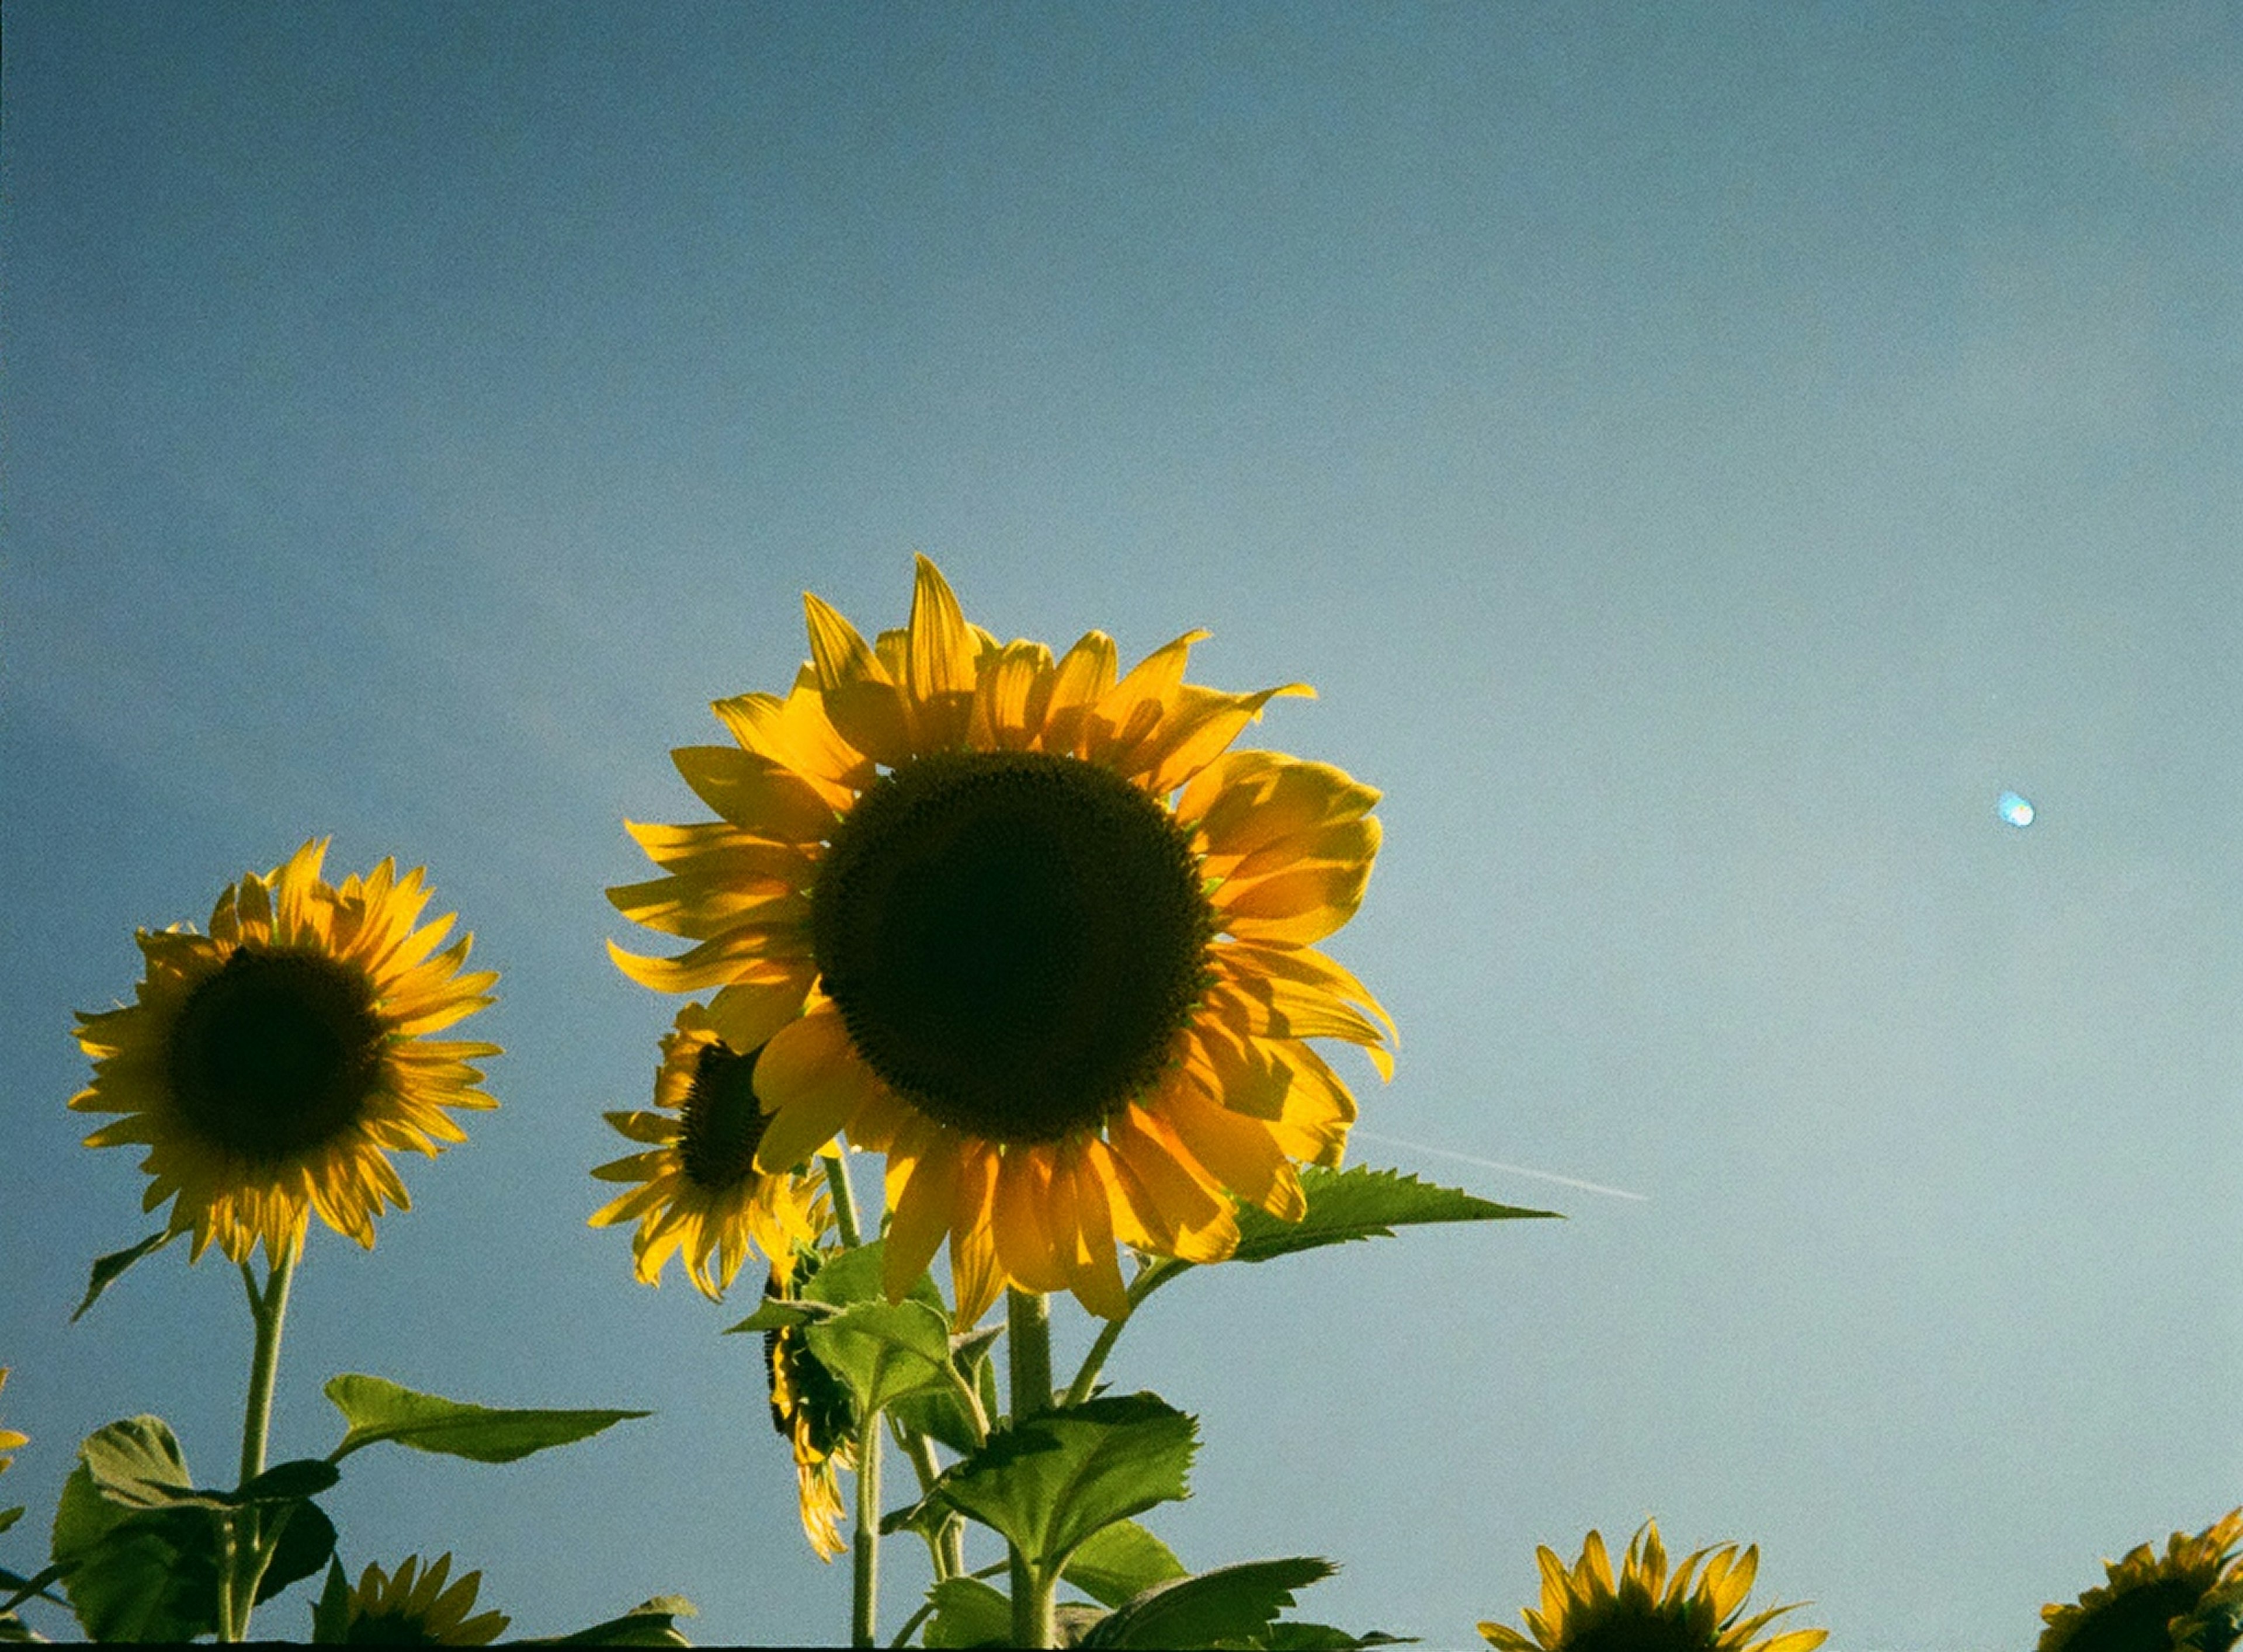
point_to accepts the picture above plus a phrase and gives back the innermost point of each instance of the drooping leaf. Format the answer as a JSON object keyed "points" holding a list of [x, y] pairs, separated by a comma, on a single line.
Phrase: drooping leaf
{"points": [[883, 1351], [648, 1623], [1363, 1203], [135, 1575], [1229, 1604], [967, 1612], [377, 1409], [1120, 1561], [108, 1269], [1048, 1483]]}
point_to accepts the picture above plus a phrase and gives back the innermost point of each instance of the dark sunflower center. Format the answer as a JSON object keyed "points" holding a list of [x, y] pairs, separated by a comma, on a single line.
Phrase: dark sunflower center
{"points": [[276, 1053], [2135, 1620], [723, 1120], [1644, 1634], [1013, 938]]}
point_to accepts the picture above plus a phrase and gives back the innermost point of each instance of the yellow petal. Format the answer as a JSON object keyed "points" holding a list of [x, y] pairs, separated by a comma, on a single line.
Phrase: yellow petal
{"points": [[1085, 673], [1096, 1273], [810, 1080], [1004, 718], [976, 1279], [756, 794], [922, 1214], [1237, 1149], [1024, 1246], [942, 654]]}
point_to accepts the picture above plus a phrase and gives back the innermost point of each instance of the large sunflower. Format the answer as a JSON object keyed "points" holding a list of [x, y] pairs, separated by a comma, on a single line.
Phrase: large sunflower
{"points": [[1031, 932], [700, 1192], [270, 1065], [1584, 1610], [2153, 1603]]}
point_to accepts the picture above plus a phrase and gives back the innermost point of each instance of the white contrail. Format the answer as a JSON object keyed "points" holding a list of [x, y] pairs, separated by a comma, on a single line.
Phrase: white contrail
{"points": [[1497, 1165]]}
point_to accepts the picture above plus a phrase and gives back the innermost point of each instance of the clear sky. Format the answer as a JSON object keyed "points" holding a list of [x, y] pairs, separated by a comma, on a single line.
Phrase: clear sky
{"points": [[1703, 454]]}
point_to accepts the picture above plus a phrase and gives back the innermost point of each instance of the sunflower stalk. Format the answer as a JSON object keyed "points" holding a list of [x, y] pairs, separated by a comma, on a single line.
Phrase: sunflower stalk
{"points": [[844, 1200], [946, 1544], [248, 1546], [1028, 1339], [865, 1602]]}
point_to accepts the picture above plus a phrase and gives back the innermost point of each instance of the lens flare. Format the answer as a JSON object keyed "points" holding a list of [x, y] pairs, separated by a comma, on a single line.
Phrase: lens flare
{"points": [[2014, 810]]}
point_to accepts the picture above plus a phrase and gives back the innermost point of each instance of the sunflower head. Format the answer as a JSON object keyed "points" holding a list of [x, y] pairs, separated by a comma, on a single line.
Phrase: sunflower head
{"points": [[812, 1411], [697, 1192], [269, 1065], [410, 1609], [1585, 1609], [1029, 928], [2191, 1597]]}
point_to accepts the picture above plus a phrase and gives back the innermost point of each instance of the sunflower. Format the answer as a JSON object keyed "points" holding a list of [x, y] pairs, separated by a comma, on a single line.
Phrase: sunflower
{"points": [[2151, 1604], [1034, 933], [406, 1610], [268, 1065], [811, 1412], [700, 1192], [11, 1441], [1583, 1610]]}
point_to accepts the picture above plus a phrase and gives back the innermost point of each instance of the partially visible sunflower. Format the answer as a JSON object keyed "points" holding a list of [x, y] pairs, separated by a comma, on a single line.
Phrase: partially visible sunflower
{"points": [[812, 1413], [406, 1610], [1584, 1610], [1031, 932], [2159, 1604], [270, 1066], [11, 1441], [700, 1193]]}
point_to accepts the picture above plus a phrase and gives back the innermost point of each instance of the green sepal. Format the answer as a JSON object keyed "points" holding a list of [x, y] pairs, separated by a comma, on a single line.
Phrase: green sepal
{"points": [[648, 1623], [968, 1613], [1049, 1482], [1363, 1203], [1230, 1605], [108, 1269], [330, 1612], [1118, 1562], [377, 1409]]}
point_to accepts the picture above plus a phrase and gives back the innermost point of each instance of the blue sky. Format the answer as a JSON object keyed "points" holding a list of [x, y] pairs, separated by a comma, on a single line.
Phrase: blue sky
{"points": [[1701, 456]]}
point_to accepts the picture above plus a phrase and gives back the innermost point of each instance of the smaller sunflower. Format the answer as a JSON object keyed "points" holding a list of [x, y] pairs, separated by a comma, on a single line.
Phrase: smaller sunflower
{"points": [[11, 1441], [700, 1193], [2151, 1604], [1583, 1610], [408, 1610], [271, 1066], [811, 1412]]}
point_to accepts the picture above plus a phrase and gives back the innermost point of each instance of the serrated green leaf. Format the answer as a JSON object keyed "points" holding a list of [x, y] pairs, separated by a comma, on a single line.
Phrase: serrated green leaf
{"points": [[108, 1269], [136, 1463], [1048, 1483], [1231, 1603], [968, 1613], [648, 1623], [777, 1314], [1363, 1203], [1118, 1562], [883, 1351], [377, 1409]]}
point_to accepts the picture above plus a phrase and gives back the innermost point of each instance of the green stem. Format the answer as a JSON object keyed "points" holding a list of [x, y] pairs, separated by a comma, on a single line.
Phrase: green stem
{"points": [[1150, 1278], [1028, 1340], [845, 1200], [946, 1545], [248, 1546], [864, 1607]]}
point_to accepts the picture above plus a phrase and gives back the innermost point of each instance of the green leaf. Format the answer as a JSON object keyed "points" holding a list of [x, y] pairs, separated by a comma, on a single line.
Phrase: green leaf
{"points": [[1363, 1203], [1120, 1561], [777, 1314], [307, 1543], [108, 1269], [330, 1612], [20, 1589], [1048, 1483], [1231, 1603], [1322, 1637], [9, 1517], [136, 1463], [378, 1409], [967, 1612], [150, 1575], [288, 1482], [883, 1351], [648, 1623], [939, 1413]]}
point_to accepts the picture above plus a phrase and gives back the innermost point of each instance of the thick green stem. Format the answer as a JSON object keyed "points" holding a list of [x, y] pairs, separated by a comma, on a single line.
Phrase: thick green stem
{"points": [[864, 1607], [1028, 1346], [845, 1200], [248, 1546]]}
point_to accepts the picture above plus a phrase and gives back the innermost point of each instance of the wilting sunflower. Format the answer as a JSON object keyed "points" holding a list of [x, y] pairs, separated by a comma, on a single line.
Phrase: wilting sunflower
{"points": [[2153, 1604], [1032, 933], [1584, 1610], [811, 1412], [270, 1065], [700, 1193], [406, 1610]]}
